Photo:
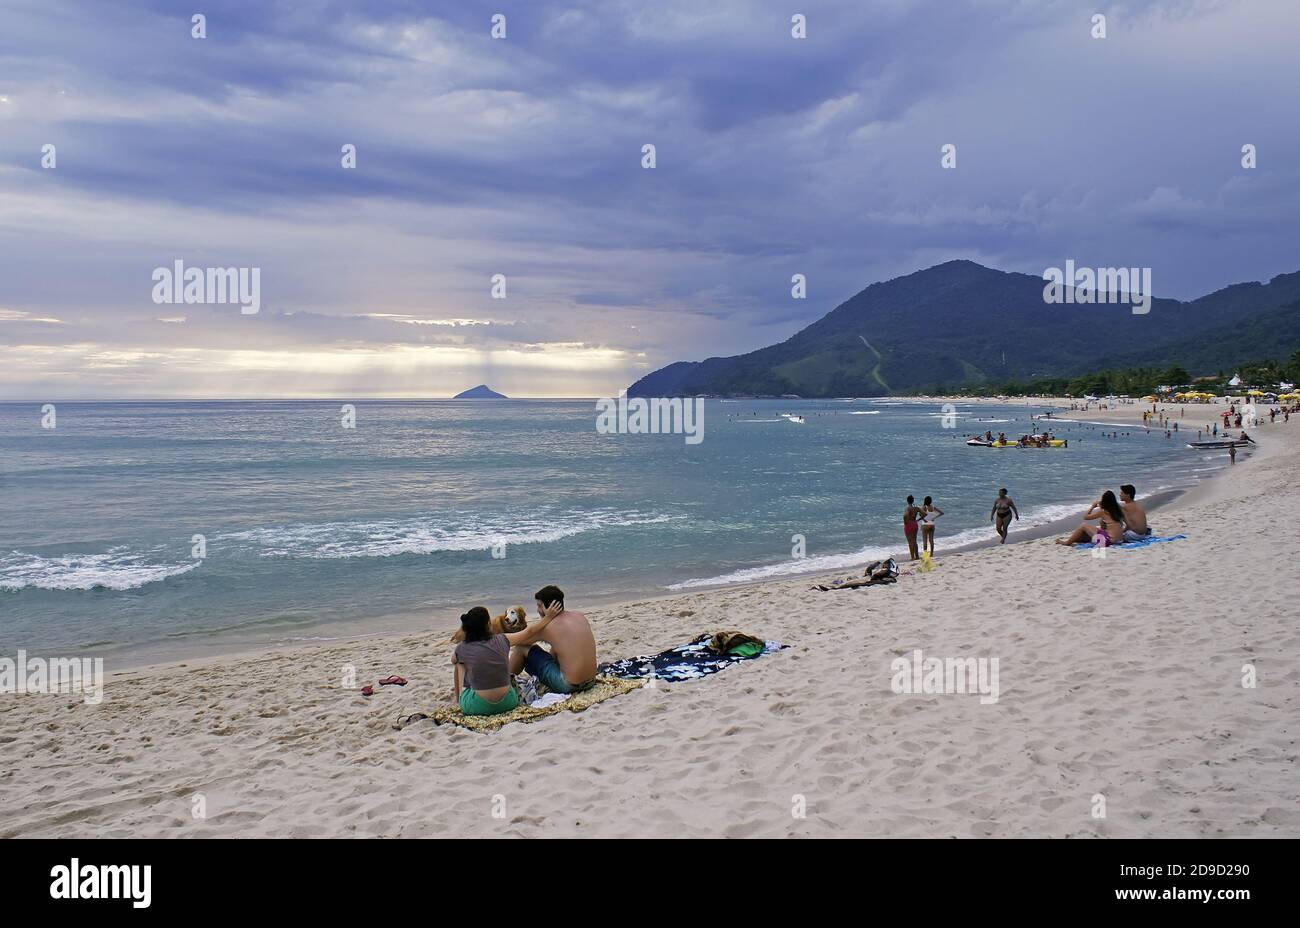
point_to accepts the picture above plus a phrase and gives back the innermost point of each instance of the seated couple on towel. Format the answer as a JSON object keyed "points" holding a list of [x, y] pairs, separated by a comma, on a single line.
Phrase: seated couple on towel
{"points": [[1117, 521], [485, 662]]}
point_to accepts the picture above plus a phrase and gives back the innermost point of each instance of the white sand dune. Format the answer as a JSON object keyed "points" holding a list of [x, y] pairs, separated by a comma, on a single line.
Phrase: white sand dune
{"points": [[1120, 677]]}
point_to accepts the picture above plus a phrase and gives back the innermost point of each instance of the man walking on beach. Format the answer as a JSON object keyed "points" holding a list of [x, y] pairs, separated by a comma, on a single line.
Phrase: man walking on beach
{"points": [[570, 665]]}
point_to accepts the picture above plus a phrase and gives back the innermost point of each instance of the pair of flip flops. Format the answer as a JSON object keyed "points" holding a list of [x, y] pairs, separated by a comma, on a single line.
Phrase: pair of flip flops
{"points": [[393, 680]]}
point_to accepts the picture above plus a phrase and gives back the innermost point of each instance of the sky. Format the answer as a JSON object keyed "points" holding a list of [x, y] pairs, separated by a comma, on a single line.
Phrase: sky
{"points": [[522, 156]]}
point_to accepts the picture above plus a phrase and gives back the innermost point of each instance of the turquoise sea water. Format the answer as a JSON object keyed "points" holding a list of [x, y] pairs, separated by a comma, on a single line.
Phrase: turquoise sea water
{"points": [[315, 531]]}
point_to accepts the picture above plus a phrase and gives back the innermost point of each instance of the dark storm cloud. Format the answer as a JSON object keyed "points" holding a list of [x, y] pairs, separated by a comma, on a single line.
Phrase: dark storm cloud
{"points": [[522, 156]]}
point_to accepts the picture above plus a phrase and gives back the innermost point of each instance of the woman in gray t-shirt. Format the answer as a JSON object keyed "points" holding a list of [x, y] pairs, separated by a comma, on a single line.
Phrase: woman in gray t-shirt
{"points": [[482, 665]]}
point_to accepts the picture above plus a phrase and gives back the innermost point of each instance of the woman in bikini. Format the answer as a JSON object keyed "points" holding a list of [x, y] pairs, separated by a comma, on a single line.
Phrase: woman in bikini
{"points": [[482, 662], [1108, 515], [1003, 508], [929, 512], [910, 516]]}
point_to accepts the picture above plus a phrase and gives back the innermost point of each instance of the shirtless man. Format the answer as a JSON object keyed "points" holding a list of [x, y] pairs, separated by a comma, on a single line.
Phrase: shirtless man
{"points": [[570, 665], [1135, 517], [1003, 507]]}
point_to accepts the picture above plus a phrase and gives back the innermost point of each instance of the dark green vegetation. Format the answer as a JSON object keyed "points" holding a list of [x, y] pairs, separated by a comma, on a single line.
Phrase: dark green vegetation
{"points": [[1139, 381], [961, 327]]}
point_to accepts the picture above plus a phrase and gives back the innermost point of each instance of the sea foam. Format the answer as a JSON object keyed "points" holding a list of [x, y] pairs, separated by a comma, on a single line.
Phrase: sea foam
{"points": [[113, 570]]}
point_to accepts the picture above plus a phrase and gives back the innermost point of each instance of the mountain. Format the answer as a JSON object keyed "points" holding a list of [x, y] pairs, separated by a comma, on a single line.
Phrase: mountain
{"points": [[961, 324], [481, 392]]}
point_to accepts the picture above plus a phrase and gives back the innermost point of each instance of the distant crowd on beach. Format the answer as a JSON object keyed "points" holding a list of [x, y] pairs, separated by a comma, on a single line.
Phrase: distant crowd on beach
{"points": [[1110, 519]]}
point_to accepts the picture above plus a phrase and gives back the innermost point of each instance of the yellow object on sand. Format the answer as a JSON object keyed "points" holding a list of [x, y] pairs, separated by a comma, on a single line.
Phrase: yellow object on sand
{"points": [[927, 562], [604, 688]]}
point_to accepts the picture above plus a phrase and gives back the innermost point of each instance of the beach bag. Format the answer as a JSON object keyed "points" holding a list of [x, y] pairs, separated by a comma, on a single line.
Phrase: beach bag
{"points": [[885, 571]]}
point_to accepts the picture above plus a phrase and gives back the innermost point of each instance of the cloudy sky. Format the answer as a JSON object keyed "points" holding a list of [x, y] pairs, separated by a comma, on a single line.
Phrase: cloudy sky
{"points": [[522, 156]]}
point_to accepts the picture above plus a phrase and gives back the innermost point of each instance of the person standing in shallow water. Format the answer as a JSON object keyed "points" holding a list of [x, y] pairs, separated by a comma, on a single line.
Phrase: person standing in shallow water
{"points": [[910, 516], [1003, 508]]}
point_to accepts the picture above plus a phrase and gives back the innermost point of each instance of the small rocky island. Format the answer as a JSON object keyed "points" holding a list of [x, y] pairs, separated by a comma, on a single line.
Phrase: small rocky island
{"points": [[481, 392]]}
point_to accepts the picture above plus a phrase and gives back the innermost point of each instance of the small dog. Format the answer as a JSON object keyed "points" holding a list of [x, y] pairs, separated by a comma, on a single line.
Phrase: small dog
{"points": [[514, 619]]}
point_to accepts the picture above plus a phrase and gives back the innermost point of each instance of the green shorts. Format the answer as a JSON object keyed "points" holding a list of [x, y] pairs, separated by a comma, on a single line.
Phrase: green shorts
{"points": [[471, 703]]}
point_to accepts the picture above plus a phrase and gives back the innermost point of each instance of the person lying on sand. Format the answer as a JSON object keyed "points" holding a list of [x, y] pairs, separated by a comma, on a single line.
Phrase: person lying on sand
{"points": [[482, 662], [1110, 519], [570, 665], [1135, 517], [1003, 507]]}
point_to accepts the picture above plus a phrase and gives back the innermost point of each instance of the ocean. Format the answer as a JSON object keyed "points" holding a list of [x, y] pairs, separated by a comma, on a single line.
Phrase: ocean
{"points": [[171, 529]]}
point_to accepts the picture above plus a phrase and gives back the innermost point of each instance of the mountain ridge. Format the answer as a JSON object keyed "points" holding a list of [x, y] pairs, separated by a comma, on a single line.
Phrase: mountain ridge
{"points": [[960, 324]]}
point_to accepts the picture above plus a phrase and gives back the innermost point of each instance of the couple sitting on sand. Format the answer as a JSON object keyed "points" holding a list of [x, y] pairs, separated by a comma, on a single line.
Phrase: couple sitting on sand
{"points": [[485, 662], [1117, 522]]}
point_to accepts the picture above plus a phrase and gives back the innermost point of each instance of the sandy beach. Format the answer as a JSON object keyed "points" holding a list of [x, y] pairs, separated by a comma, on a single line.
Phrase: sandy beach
{"points": [[1120, 677]]}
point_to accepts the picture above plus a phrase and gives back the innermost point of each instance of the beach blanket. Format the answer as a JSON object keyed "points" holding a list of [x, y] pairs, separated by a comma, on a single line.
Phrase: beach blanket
{"points": [[604, 688], [1140, 543], [688, 661]]}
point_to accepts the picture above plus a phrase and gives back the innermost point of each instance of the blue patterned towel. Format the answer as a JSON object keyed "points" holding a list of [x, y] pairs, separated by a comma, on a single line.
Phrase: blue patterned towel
{"points": [[1141, 543], [684, 662]]}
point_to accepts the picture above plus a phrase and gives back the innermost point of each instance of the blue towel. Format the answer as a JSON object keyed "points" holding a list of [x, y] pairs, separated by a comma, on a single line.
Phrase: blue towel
{"points": [[1141, 543], [684, 662]]}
